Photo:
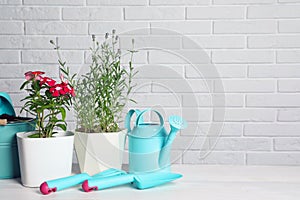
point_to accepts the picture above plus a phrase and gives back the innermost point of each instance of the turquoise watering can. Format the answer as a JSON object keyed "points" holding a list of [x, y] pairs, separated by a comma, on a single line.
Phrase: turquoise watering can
{"points": [[149, 144]]}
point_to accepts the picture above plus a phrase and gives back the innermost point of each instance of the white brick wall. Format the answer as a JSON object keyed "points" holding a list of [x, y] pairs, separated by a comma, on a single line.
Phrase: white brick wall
{"points": [[252, 46]]}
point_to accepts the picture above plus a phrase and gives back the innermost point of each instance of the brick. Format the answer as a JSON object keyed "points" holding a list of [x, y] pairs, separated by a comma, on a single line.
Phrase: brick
{"points": [[11, 27], [273, 12], [243, 56], [179, 2], [242, 2], [154, 13], [189, 143], [273, 159], [289, 85], [181, 27], [55, 2], [78, 42], [273, 100], [250, 26], [181, 85], [246, 86], [274, 71], [48, 57], [54, 28], [224, 158], [153, 71], [11, 2], [36, 13], [212, 100], [216, 71], [106, 13], [213, 42], [10, 85], [9, 57], [118, 2], [283, 129], [289, 115], [289, 56], [178, 57], [25, 42], [215, 12], [272, 41], [287, 144], [289, 26], [243, 144], [289, 1], [141, 42], [123, 28], [149, 100], [17, 70]]}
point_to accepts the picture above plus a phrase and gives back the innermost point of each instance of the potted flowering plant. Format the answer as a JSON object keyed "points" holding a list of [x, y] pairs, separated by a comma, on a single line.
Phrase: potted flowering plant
{"points": [[47, 152], [102, 94]]}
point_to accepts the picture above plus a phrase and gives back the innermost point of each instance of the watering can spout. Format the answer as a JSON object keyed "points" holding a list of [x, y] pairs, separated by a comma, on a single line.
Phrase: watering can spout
{"points": [[176, 123]]}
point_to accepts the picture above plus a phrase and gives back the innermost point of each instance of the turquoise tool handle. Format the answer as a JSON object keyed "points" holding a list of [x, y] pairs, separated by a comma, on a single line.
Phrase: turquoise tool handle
{"points": [[63, 183], [140, 117], [128, 118], [103, 183]]}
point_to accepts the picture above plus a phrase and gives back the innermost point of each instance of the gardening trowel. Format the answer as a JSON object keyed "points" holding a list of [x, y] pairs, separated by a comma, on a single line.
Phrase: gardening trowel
{"points": [[140, 181], [62, 183]]}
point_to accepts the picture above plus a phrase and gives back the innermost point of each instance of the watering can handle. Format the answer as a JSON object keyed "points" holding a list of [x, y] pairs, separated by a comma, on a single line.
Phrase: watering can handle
{"points": [[140, 117], [128, 118]]}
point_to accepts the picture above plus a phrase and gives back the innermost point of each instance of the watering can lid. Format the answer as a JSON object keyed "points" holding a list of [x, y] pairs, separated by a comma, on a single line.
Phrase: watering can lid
{"points": [[6, 106]]}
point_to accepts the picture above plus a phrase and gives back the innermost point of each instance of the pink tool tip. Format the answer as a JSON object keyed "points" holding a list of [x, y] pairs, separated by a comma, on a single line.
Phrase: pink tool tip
{"points": [[45, 189], [87, 188]]}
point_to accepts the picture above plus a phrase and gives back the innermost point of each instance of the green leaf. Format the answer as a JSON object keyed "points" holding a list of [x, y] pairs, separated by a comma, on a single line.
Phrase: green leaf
{"points": [[63, 113], [62, 126]]}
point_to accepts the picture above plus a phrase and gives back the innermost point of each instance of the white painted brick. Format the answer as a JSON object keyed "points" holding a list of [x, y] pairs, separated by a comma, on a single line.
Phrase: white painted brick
{"points": [[289, 26], [283, 129], [9, 57], [100, 13], [118, 2], [178, 57], [289, 115], [181, 85], [218, 12], [10, 85], [273, 159], [152, 71], [122, 28], [154, 13], [213, 100], [78, 42], [243, 144], [213, 42], [189, 143], [287, 144], [274, 71], [48, 57], [249, 26], [289, 1], [246, 115], [179, 2], [273, 12], [290, 56], [17, 71], [243, 56], [216, 71], [273, 100], [181, 27], [11, 27], [54, 28], [274, 41], [224, 158], [243, 2], [140, 42], [289, 85], [25, 13], [11, 2], [25, 42], [149, 100], [55, 2], [244, 85]]}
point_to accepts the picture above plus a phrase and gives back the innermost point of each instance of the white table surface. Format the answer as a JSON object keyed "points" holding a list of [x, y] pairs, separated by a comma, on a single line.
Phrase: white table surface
{"points": [[199, 182]]}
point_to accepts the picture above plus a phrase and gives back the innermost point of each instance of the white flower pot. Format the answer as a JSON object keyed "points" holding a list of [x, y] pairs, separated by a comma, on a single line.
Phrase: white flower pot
{"points": [[99, 151], [43, 159]]}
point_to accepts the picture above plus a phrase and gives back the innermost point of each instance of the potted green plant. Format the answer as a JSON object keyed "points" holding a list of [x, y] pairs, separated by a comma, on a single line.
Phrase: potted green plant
{"points": [[46, 153], [102, 94]]}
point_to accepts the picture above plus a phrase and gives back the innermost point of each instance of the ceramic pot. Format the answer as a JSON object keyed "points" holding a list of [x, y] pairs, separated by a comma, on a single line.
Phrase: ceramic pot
{"points": [[43, 159], [99, 151]]}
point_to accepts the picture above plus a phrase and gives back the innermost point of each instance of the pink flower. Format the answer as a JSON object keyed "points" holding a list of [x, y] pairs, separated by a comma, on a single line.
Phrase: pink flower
{"points": [[36, 75], [48, 81], [62, 89]]}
